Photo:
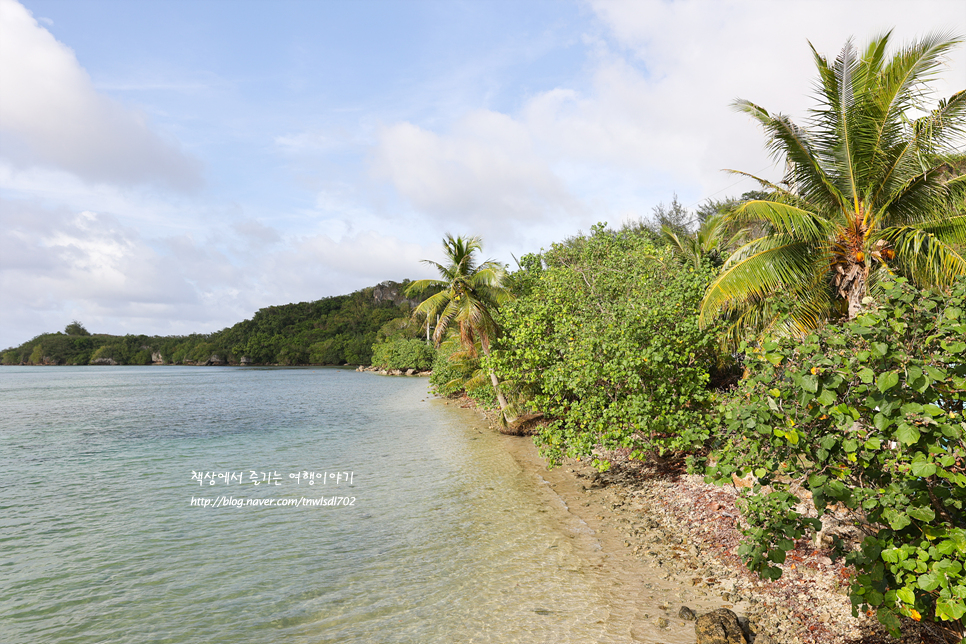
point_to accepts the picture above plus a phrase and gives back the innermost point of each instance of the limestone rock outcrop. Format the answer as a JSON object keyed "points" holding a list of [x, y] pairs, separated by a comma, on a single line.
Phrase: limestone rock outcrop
{"points": [[719, 627]]}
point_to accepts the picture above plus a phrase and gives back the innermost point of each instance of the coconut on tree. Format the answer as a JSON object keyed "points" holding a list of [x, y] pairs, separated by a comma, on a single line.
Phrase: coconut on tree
{"points": [[469, 294], [874, 185]]}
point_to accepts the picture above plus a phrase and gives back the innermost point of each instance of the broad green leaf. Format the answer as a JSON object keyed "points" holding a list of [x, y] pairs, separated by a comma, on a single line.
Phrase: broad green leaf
{"points": [[922, 513], [911, 408], [810, 383], [953, 347], [887, 380], [950, 609], [923, 468], [907, 434], [826, 398], [886, 617], [906, 595], [891, 555], [929, 581], [816, 480], [866, 375], [897, 520]]}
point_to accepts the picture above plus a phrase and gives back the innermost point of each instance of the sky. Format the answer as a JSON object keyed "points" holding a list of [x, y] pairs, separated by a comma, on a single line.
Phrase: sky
{"points": [[170, 167]]}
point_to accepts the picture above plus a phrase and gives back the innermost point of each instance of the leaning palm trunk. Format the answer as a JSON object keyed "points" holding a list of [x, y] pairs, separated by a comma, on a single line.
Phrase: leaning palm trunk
{"points": [[504, 406], [468, 295]]}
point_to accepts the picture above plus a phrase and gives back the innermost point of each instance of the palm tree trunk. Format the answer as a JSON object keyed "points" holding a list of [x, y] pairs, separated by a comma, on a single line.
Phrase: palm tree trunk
{"points": [[856, 292], [851, 282], [496, 385], [855, 302]]}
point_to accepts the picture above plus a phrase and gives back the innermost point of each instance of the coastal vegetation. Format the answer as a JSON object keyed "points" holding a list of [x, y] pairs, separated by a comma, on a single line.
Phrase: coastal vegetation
{"points": [[808, 336], [605, 343], [866, 418]]}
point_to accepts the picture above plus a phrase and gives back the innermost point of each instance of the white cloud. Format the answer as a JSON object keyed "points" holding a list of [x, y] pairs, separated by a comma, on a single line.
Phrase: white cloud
{"points": [[484, 171], [691, 59], [51, 115], [653, 120]]}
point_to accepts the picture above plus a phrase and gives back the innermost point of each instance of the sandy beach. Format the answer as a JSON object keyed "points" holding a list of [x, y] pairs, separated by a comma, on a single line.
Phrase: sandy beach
{"points": [[668, 540]]}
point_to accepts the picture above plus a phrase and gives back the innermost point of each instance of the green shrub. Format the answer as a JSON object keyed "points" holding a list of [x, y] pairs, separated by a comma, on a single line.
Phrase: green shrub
{"points": [[868, 415], [606, 344], [329, 351], [403, 354], [81, 358], [109, 351], [456, 372], [76, 328]]}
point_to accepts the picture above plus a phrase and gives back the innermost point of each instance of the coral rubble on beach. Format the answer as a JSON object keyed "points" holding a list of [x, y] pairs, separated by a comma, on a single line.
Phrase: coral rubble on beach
{"points": [[691, 529]]}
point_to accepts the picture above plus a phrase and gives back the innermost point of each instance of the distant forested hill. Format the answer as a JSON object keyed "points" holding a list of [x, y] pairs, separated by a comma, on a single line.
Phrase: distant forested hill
{"points": [[333, 330]]}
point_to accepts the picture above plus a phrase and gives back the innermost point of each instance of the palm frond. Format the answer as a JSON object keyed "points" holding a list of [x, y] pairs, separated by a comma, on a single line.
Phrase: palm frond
{"points": [[927, 252], [785, 219], [785, 139], [432, 305], [419, 286], [764, 183], [943, 128], [917, 199], [756, 270]]}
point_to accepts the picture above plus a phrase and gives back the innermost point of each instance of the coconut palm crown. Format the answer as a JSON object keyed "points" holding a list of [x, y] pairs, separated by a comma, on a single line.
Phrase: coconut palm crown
{"points": [[874, 185], [469, 292]]}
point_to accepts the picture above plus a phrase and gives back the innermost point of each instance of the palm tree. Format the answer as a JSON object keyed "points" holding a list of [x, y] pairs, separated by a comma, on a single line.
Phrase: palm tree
{"points": [[710, 241], [868, 191], [469, 293]]}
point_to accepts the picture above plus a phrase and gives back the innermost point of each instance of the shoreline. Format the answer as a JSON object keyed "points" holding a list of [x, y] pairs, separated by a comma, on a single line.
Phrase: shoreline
{"points": [[676, 528]]}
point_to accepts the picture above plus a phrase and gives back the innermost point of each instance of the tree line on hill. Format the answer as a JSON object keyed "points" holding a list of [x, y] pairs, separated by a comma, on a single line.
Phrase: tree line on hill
{"points": [[335, 330]]}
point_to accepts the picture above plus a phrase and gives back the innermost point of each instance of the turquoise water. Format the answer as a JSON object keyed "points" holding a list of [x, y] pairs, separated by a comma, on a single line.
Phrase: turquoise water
{"points": [[446, 539]]}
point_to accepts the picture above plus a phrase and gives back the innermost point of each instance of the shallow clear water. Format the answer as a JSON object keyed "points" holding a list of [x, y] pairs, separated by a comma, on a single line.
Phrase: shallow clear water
{"points": [[447, 540]]}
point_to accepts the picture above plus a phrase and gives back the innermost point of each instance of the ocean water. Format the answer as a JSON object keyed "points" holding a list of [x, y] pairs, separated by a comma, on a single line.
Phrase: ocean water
{"points": [[437, 533]]}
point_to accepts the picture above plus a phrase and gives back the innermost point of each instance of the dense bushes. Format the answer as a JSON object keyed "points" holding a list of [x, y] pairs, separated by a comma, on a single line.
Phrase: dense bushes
{"points": [[455, 371], [404, 354], [606, 344], [868, 416]]}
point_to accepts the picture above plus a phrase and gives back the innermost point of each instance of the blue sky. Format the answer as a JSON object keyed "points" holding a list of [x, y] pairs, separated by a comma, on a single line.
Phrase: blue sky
{"points": [[170, 167]]}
